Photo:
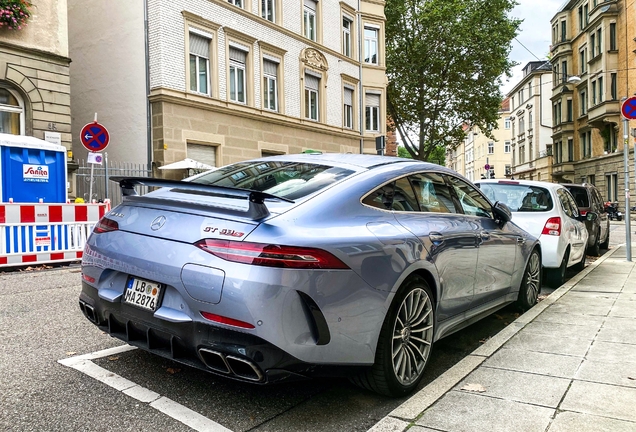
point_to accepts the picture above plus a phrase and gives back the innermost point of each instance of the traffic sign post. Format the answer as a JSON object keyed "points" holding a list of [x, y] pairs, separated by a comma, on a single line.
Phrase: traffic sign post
{"points": [[94, 138], [628, 109]]}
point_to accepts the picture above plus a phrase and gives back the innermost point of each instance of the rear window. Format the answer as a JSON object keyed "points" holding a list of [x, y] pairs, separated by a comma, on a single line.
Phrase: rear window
{"points": [[580, 196], [291, 180], [519, 198]]}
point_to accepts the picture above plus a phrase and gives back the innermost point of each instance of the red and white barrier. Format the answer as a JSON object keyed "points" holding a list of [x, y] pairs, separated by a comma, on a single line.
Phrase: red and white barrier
{"points": [[46, 233]]}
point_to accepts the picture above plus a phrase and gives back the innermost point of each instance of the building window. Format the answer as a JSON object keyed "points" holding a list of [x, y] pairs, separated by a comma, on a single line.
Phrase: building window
{"points": [[522, 154], [529, 120], [599, 46], [522, 125], [346, 36], [270, 85], [11, 113], [570, 150], [309, 19], [586, 15], [347, 112], [564, 71], [312, 84], [238, 60], [555, 76], [268, 10], [586, 144], [581, 26], [613, 87], [612, 28], [507, 123], [558, 152], [583, 102], [530, 89], [521, 98], [563, 31], [593, 44], [611, 180], [569, 110], [371, 45], [583, 60], [372, 112], [491, 147], [238, 3], [507, 147], [202, 153], [593, 93], [600, 89], [199, 64]]}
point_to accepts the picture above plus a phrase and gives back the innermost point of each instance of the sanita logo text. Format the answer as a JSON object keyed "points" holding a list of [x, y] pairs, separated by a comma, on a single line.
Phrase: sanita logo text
{"points": [[37, 171]]}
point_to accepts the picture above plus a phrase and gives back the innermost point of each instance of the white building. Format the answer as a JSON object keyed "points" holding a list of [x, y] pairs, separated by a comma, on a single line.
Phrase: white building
{"points": [[229, 80]]}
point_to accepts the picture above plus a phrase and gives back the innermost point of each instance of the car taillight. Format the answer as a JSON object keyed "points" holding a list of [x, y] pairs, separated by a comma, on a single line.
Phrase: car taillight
{"points": [[552, 227], [105, 225], [583, 212], [271, 255], [225, 320]]}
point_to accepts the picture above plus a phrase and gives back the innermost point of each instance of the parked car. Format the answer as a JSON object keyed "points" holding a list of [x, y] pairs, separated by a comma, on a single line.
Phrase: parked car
{"points": [[589, 200], [547, 211], [306, 265]]}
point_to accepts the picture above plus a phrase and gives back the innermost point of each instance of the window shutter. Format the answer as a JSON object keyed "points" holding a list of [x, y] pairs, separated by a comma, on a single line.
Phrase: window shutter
{"points": [[311, 4], [372, 100], [270, 68], [202, 153], [348, 96], [237, 55], [311, 82], [199, 46]]}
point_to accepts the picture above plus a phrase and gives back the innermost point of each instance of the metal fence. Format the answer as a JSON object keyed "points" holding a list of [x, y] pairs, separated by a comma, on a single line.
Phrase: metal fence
{"points": [[102, 189]]}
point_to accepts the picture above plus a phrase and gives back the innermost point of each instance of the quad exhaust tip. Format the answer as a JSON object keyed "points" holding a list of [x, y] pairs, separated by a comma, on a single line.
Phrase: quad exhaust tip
{"points": [[230, 365], [88, 311]]}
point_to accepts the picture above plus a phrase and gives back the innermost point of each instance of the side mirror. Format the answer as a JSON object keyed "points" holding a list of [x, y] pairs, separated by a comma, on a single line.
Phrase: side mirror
{"points": [[502, 212], [591, 216]]}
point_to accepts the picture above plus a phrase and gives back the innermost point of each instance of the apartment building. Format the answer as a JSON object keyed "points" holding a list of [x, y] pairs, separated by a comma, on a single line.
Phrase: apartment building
{"points": [[477, 150], [227, 80], [531, 123], [34, 75], [594, 62]]}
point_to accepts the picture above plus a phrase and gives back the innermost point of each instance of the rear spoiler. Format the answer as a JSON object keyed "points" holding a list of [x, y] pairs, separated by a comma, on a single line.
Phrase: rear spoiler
{"points": [[256, 199]]}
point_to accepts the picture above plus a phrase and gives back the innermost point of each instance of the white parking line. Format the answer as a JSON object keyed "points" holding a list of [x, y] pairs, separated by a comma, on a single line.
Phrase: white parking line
{"points": [[162, 404]]}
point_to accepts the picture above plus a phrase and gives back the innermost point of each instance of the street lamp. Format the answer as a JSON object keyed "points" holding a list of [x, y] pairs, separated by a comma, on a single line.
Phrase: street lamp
{"points": [[574, 79]]}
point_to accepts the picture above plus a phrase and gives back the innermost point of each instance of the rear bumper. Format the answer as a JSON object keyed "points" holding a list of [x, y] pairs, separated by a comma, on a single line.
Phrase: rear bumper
{"points": [[552, 250], [217, 350]]}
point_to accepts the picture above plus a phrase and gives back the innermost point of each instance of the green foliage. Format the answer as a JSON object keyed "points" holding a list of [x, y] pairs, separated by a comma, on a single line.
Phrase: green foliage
{"points": [[14, 14], [444, 63], [403, 152]]}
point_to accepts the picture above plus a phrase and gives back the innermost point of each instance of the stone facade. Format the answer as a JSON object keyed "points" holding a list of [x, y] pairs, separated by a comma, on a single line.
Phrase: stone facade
{"points": [[34, 69], [594, 43]]}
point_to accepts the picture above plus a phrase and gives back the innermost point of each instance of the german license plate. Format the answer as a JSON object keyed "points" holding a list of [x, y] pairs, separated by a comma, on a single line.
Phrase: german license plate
{"points": [[142, 293]]}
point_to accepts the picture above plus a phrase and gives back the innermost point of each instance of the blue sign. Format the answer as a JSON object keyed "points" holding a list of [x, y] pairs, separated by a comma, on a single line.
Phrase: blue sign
{"points": [[94, 137], [629, 108]]}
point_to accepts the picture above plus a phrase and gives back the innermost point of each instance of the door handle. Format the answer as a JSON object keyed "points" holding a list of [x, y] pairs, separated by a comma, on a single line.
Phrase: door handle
{"points": [[436, 237], [521, 241]]}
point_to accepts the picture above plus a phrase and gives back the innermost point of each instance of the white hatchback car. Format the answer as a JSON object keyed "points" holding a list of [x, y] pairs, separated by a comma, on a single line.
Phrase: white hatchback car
{"points": [[549, 212]]}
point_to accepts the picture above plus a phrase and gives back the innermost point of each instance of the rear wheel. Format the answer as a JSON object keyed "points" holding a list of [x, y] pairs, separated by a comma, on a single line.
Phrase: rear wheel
{"points": [[531, 282], [595, 249], [556, 277], [405, 342], [605, 244], [580, 265]]}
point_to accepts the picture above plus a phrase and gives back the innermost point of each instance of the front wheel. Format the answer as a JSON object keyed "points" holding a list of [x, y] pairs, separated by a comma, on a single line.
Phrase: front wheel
{"points": [[595, 249], [531, 282], [405, 342], [605, 244]]}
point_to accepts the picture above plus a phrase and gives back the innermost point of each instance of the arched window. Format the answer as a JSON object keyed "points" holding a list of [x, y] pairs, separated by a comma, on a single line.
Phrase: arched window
{"points": [[11, 112]]}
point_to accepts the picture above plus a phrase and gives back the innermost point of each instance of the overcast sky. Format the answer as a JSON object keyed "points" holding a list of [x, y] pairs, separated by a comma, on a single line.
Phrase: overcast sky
{"points": [[534, 33]]}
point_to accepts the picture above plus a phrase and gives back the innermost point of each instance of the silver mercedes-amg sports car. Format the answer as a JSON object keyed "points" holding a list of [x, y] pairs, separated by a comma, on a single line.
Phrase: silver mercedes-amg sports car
{"points": [[305, 265]]}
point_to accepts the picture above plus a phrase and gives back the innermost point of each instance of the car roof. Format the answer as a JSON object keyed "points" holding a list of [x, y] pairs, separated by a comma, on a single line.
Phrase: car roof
{"points": [[547, 185], [350, 159]]}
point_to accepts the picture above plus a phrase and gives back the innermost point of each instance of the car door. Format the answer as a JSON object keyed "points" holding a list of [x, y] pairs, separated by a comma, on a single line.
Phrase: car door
{"points": [[448, 238], [574, 230], [497, 245], [601, 213]]}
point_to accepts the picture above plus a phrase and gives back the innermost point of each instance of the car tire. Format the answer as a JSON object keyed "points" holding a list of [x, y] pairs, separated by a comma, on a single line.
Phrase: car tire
{"points": [[580, 265], [556, 277], [595, 249], [605, 244], [530, 282], [399, 374]]}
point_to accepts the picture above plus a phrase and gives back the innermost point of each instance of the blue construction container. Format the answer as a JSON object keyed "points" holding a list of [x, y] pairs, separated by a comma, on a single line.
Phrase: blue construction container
{"points": [[31, 170]]}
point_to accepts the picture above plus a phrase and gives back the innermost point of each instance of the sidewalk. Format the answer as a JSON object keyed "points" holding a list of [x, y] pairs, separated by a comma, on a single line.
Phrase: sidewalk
{"points": [[568, 364]]}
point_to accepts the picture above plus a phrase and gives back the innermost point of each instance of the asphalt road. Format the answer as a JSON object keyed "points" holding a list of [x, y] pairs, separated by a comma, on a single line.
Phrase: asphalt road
{"points": [[40, 324]]}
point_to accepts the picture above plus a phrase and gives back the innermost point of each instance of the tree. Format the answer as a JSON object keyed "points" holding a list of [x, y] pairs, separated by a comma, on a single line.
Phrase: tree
{"points": [[444, 63]]}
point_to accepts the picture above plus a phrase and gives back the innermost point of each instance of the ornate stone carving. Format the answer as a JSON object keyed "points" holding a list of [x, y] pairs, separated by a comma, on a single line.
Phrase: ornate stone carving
{"points": [[314, 59]]}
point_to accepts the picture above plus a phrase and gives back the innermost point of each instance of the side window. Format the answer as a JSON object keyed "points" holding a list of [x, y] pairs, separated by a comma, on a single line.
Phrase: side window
{"points": [[565, 203], [381, 198], [473, 203], [433, 193], [575, 209], [599, 200], [403, 196]]}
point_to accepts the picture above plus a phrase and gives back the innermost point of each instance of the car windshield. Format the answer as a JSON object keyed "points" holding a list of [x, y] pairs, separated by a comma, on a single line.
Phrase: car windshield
{"points": [[291, 180], [518, 197], [580, 196]]}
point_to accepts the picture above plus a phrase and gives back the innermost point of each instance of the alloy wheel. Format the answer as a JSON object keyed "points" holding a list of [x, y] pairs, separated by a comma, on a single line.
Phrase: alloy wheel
{"points": [[533, 278], [412, 336]]}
